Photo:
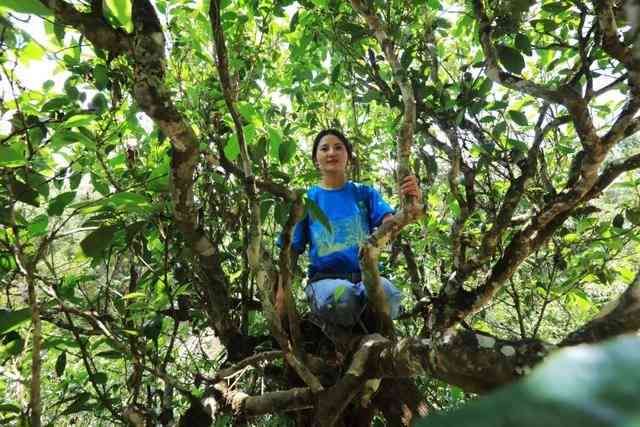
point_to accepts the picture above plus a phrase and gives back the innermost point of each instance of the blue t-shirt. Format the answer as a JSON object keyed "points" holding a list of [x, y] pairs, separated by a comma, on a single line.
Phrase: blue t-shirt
{"points": [[353, 211]]}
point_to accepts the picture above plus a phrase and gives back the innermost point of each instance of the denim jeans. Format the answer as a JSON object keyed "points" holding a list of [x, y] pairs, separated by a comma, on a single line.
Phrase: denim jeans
{"points": [[351, 301]]}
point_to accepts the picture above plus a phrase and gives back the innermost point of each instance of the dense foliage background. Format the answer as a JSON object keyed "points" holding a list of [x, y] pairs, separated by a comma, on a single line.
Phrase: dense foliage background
{"points": [[127, 198]]}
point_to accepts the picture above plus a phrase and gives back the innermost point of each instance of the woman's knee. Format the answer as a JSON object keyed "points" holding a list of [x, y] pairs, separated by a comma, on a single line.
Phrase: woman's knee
{"points": [[394, 297], [335, 301]]}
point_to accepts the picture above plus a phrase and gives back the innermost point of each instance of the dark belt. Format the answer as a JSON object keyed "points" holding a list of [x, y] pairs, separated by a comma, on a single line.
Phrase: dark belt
{"points": [[351, 277]]}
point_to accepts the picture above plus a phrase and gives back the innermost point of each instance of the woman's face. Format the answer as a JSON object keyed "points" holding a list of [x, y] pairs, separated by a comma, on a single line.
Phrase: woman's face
{"points": [[332, 155]]}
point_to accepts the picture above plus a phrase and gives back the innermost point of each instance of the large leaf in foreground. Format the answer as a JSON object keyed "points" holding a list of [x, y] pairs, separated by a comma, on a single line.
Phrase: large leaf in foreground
{"points": [[585, 386]]}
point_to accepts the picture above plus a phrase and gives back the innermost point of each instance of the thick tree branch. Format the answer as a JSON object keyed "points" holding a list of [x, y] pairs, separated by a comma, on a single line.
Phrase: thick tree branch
{"points": [[222, 64], [511, 200], [294, 399], [152, 95], [26, 265], [400, 77], [93, 26], [610, 41], [610, 173], [455, 303], [146, 47], [411, 209], [285, 302], [494, 72], [617, 317], [520, 246], [259, 264], [254, 360], [454, 174], [333, 401], [565, 95], [412, 268]]}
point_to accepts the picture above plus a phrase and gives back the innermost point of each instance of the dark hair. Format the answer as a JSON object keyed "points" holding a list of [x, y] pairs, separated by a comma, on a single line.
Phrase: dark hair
{"points": [[338, 135]]}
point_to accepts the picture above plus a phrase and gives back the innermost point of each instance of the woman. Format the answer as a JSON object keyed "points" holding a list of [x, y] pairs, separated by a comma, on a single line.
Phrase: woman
{"points": [[335, 289]]}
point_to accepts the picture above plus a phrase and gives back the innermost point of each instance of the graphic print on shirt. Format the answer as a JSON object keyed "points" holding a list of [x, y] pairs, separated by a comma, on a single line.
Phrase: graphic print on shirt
{"points": [[346, 232]]}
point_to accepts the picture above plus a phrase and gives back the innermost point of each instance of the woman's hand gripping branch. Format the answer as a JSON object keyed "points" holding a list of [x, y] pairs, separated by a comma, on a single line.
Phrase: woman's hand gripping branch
{"points": [[410, 188]]}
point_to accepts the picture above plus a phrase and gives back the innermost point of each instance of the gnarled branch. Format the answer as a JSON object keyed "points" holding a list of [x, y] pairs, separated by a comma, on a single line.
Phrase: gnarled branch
{"points": [[617, 317]]}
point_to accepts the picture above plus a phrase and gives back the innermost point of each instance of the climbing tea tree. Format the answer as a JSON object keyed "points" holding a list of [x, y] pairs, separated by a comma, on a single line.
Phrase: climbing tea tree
{"points": [[145, 184]]}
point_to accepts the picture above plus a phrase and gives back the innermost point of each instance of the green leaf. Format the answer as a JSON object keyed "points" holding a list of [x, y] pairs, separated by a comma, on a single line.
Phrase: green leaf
{"points": [[511, 59], [32, 52], [259, 150], [586, 386], [434, 4], [100, 378], [275, 138], [55, 103], [485, 87], [48, 85], [232, 148], [555, 7], [111, 354], [152, 328], [571, 238], [74, 180], [618, 221], [39, 182], [24, 193], [134, 295], [58, 203], [65, 137], [499, 129], [356, 31], [546, 25], [335, 73], [79, 120], [280, 213], [38, 226], [11, 320], [159, 178], [286, 151], [518, 117], [58, 32], [26, 6], [7, 262], [100, 184], [120, 10], [265, 208], [130, 201], [249, 113], [317, 214], [337, 293], [100, 76], [523, 44], [519, 6], [99, 103], [98, 240], [12, 156], [61, 363], [406, 58], [320, 3]]}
